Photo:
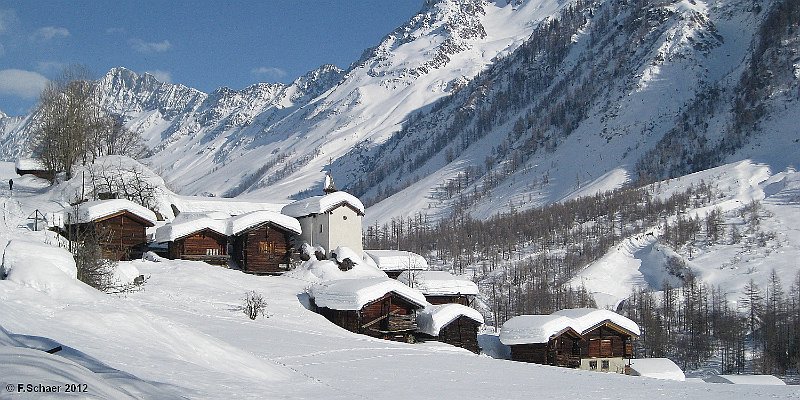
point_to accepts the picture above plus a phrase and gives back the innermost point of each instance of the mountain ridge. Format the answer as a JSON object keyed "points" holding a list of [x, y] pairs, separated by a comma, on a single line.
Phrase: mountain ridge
{"points": [[436, 105]]}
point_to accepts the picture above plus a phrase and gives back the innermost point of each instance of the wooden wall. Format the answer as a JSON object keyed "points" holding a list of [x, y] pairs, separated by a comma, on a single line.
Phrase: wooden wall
{"points": [[390, 317], [262, 249], [532, 353], [37, 173], [605, 341], [455, 299], [399, 322], [123, 238], [347, 319], [205, 245], [462, 332], [562, 351]]}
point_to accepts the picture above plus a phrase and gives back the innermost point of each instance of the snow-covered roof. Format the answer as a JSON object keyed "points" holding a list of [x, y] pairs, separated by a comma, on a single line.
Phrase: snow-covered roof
{"points": [[433, 318], [322, 204], [354, 294], [316, 271], [100, 209], [585, 319], [745, 379], [525, 329], [438, 283], [29, 164], [225, 205], [397, 260], [246, 221], [659, 368], [188, 223], [343, 252]]}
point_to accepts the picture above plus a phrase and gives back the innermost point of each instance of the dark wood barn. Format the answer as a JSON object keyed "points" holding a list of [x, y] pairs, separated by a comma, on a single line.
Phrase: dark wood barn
{"points": [[462, 332], [453, 324], [449, 299], [391, 316], [607, 340], [263, 249], [562, 349], [543, 339], [196, 236], [118, 225], [441, 287], [204, 245], [28, 166], [261, 241]]}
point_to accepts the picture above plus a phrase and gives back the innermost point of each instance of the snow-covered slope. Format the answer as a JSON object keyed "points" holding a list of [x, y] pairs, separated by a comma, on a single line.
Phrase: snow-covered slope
{"points": [[770, 241]]}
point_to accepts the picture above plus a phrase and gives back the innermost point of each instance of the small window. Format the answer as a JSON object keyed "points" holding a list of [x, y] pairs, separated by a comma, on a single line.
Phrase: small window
{"points": [[344, 217], [266, 247], [593, 365], [320, 228], [212, 252], [604, 365]]}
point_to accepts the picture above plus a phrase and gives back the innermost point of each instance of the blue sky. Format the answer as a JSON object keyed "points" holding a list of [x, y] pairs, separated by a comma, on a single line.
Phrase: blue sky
{"points": [[202, 44]]}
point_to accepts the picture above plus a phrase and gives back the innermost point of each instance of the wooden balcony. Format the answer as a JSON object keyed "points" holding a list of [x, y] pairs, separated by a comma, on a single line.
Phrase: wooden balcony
{"points": [[221, 259]]}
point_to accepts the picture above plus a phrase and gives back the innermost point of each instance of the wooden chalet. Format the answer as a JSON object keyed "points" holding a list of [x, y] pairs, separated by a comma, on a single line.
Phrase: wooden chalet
{"points": [[204, 245], [378, 307], [453, 324], [440, 287], [542, 339], [119, 225], [196, 236], [586, 338], [607, 338], [30, 166], [261, 241], [396, 262]]}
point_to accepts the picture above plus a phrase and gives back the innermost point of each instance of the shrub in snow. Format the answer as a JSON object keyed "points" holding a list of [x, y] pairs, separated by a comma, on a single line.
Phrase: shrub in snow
{"points": [[254, 305], [93, 268]]}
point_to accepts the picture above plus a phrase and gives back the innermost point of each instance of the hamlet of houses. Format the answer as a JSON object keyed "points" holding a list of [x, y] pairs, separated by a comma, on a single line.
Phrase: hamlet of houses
{"points": [[388, 294]]}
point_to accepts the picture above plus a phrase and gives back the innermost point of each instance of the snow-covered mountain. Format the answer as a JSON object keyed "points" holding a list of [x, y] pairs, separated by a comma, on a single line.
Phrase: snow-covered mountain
{"points": [[282, 136], [483, 105], [612, 92]]}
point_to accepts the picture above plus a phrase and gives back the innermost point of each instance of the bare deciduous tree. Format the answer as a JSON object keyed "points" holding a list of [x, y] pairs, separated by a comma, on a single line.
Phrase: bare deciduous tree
{"points": [[70, 126], [66, 118], [127, 181]]}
